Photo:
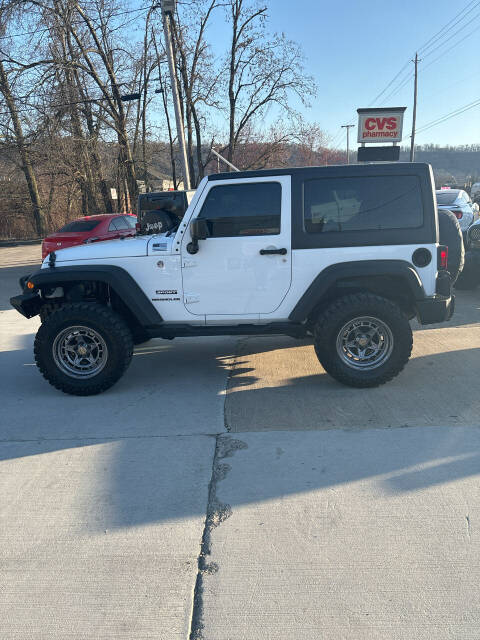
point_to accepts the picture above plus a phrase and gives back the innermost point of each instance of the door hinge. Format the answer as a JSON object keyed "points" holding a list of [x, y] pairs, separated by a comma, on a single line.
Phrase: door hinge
{"points": [[190, 299], [189, 263]]}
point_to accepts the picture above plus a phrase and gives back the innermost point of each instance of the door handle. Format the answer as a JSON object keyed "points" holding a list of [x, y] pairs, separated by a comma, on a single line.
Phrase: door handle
{"points": [[270, 252]]}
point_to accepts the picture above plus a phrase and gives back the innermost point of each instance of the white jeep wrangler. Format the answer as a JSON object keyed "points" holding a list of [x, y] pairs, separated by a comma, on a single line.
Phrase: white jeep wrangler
{"points": [[346, 254]]}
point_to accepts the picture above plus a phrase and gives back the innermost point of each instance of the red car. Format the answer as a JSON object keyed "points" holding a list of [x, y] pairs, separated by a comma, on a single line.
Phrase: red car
{"points": [[90, 229]]}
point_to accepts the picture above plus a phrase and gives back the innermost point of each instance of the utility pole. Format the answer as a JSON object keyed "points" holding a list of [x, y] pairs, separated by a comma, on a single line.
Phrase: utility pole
{"points": [[168, 8], [414, 120], [348, 127]]}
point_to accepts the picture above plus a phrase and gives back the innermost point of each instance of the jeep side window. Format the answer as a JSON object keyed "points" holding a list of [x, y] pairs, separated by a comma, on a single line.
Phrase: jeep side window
{"points": [[362, 203], [248, 209]]}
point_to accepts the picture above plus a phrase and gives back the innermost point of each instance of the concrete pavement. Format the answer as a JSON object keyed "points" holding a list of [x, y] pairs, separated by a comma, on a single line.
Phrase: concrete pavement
{"points": [[135, 514], [100, 539], [363, 535], [103, 499]]}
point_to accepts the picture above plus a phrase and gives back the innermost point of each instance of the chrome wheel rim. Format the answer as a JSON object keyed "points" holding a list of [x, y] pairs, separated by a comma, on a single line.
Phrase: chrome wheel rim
{"points": [[80, 352], [364, 343]]}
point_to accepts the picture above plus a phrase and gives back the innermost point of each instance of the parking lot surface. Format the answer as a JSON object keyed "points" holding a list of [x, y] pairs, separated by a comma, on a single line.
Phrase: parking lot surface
{"points": [[228, 488]]}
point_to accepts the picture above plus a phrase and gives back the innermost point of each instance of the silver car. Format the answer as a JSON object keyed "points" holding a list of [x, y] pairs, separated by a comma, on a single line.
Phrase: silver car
{"points": [[459, 202]]}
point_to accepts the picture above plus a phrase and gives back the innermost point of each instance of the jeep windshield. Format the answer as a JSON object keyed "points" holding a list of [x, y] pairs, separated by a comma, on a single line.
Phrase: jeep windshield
{"points": [[172, 203], [161, 212]]}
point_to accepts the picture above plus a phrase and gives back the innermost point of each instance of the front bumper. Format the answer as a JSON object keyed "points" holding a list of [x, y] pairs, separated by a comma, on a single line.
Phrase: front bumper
{"points": [[28, 304]]}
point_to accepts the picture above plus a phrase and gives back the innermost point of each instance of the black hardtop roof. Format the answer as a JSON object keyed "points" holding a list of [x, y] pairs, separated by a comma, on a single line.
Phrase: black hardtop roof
{"points": [[336, 170]]}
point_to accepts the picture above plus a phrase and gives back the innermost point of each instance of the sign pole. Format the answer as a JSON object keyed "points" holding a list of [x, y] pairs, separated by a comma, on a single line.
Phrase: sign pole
{"points": [[347, 127]]}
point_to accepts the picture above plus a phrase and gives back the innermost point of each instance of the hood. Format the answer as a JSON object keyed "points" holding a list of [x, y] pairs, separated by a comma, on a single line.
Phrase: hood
{"points": [[129, 247]]}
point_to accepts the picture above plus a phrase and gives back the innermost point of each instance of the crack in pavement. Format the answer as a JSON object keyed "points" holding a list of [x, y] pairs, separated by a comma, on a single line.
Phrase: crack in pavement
{"points": [[230, 373], [217, 512], [112, 438]]}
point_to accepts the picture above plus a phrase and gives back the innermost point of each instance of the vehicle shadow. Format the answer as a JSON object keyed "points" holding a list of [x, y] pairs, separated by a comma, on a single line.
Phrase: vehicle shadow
{"points": [[434, 389], [139, 475]]}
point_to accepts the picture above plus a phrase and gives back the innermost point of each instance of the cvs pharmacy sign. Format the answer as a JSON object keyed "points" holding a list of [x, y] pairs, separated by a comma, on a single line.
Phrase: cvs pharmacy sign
{"points": [[380, 125]]}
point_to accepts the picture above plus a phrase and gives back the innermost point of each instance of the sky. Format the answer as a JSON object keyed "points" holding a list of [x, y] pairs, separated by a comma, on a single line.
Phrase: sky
{"points": [[355, 48]]}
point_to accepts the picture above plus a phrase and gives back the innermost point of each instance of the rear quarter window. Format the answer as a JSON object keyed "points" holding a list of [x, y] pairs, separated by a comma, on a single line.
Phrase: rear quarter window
{"points": [[362, 203], [131, 221], [118, 224], [80, 225], [446, 197]]}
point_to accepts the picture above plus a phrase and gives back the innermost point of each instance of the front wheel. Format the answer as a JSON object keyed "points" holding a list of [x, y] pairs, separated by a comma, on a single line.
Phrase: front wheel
{"points": [[363, 340], [83, 348]]}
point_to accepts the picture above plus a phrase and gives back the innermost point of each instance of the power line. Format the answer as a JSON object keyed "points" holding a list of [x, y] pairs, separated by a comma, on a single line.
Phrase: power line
{"points": [[27, 96], [399, 87], [435, 38], [390, 83], [124, 98], [457, 82], [471, 33], [449, 115], [449, 24], [455, 33], [337, 136], [459, 17], [55, 106]]}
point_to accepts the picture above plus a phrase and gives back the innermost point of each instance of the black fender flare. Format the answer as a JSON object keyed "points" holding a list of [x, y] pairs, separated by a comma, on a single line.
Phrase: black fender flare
{"points": [[328, 278], [115, 277]]}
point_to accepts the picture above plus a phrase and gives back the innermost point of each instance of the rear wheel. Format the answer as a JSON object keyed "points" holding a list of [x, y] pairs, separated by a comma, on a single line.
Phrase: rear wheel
{"points": [[83, 348], [363, 340]]}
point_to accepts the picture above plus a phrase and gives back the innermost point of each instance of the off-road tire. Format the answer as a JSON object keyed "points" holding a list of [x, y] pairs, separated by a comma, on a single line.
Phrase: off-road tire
{"points": [[105, 322], [139, 335], [451, 236], [329, 327], [46, 309]]}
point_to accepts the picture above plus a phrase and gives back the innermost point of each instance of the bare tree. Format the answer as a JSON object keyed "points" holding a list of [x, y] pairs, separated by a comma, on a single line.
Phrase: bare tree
{"points": [[163, 91], [263, 71], [23, 150], [199, 78], [66, 127], [100, 45]]}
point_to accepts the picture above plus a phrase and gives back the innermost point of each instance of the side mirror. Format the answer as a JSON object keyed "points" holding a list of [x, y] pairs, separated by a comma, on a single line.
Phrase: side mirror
{"points": [[198, 231]]}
